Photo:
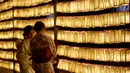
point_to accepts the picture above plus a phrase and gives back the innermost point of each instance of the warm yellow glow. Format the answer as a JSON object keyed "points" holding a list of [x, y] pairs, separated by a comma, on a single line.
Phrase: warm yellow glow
{"points": [[5, 35], [11, 34], [17, 67], [28, 12], [29, 2], [6, 55], [128, 55], [34, 12], [104, 20], [15, 55], [91, 21], [100, 37], [6, 45], [6, 15], [9, 65], [110, 19], [15, 3], [6, 5], [89, 5], [77, 67], [49, 22], [104, 54], [6, 25], [6, 64], [50, 33], [18, 35]]}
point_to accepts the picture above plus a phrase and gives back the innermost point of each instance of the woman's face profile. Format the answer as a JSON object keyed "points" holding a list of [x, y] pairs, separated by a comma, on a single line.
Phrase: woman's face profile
{"points": [[33, 33]]}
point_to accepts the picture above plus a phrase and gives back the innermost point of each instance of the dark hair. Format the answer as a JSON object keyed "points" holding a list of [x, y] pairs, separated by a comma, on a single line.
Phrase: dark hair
{"points": [[27, 30], [39, 26]]}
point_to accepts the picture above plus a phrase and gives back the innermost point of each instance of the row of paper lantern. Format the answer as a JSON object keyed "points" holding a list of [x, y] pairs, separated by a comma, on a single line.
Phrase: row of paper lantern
{"points": [[76, 67], [11, 34], [9, 65], [74, 6], [49, 22], [36, 11], [6, 64], [6, 15], [99, 37], [42, 11], [17, 3], [100, 54], [6, 25], [7, 45], [104, 20], [8, 55], [92, 53], [28, 12], [89, 5], [18, 34]]}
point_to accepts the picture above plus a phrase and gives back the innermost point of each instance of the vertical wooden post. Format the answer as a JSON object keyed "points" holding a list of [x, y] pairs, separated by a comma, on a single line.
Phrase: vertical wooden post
{"points": [[55, 34], [13, 42], [55, 27]]}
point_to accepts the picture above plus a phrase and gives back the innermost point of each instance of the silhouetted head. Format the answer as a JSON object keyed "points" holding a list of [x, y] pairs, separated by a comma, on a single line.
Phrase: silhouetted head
{"points": [[29, 32], [39, 26]]}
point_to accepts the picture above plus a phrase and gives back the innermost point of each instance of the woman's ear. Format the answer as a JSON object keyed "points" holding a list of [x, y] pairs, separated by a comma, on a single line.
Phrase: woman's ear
{"points": [[31, 35]]}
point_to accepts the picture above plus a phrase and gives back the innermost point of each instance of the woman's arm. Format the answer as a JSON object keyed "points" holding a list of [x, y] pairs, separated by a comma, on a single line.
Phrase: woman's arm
{"points": [[21, 57]]}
